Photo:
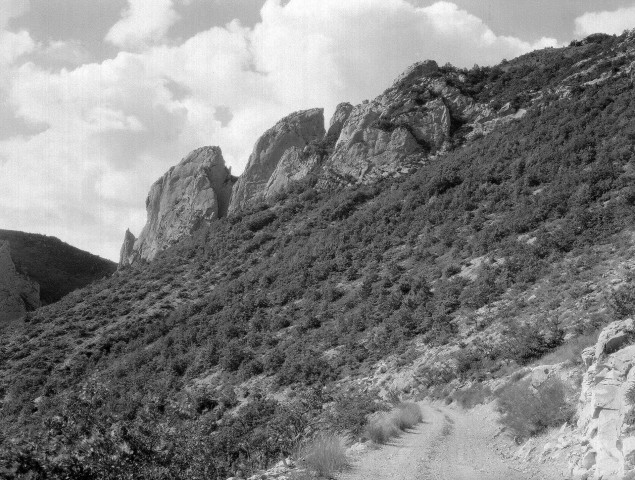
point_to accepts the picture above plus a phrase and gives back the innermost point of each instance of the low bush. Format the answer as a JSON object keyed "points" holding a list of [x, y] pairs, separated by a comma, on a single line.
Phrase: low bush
{"points": [[324, 454], [351, 409], [469, 397], [407, 415], [383, 427], [527, 411]]}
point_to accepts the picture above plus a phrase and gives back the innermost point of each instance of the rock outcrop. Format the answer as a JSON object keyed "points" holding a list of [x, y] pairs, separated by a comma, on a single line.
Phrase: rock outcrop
{"points": [[297, 163], [127, 255], [283, 144], [401, 127], [189, 196], [18, 294], [606, 410], [421, 114], [342, 112]]}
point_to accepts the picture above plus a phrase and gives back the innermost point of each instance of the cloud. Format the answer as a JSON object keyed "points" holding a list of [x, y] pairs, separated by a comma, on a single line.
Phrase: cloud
{"points": [[144, 22], [116, 126], [611, 22], [10, 9], [60, 53]]}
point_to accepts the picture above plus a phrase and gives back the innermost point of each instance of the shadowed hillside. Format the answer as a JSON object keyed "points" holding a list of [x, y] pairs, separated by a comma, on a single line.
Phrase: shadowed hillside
{"points": [[56, 266]]}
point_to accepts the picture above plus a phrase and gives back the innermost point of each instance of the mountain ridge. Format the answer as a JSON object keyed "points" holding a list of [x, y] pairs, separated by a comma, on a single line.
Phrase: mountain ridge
{"points": [[47, 269], [420, 114], [312, 308]]}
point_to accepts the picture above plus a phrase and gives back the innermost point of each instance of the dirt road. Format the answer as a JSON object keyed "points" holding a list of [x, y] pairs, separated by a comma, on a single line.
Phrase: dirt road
{"points": [[451, 444]]}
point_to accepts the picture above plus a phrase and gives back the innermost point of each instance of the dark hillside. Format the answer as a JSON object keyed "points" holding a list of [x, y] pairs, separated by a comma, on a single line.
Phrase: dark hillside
{"points": [[56, 266], [148, 365]]}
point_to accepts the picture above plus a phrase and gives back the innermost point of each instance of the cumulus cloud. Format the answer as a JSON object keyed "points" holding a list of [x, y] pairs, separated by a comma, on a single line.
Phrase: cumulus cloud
{"points": [[116, 126], [143, 23], [611, 22]]}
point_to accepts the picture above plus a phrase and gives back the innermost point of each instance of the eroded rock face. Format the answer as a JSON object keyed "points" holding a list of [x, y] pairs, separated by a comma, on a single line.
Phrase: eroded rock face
{"points": [[606, 410], [416, 118], [284, 141], [342, 112], [399, 129], [18, 294], [190, 195], [126, 255]]}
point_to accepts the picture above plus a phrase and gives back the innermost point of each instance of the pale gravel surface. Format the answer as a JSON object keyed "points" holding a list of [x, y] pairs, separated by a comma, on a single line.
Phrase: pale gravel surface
{"points": [[451, 444]]}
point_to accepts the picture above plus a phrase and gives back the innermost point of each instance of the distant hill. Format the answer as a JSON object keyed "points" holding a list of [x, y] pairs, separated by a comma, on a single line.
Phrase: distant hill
{"points": [[57, 267]]}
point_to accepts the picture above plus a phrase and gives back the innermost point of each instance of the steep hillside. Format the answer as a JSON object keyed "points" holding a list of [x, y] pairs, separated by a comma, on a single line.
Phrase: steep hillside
{"points": [[490, 251], [55, 266]]}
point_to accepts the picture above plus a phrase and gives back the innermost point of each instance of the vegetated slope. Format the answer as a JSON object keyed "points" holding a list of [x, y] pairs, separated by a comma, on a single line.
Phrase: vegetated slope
{"points": [[147, 366], [56, 266]]}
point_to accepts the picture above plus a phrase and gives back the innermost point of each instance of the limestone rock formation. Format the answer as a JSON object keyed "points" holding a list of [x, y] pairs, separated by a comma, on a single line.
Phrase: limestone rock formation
{"points": [[126, 256], [297, 163], [18, 294], [189, 196], [401, 127], [288, 137], [418, 116], [342, 112], [606, 410], [294, 165]]}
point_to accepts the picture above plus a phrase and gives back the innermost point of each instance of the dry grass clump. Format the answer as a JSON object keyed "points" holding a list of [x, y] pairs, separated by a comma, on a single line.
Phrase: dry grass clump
{"points": [[570, 352], [325, 454], [383, 427]]}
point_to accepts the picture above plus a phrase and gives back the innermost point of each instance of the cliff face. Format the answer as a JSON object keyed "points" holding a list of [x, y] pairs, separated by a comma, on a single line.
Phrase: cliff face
{"points": [[297, 163], [281, 144], [18, 294], [188, 196], [415, 117], [419, 116], [606, 412]]}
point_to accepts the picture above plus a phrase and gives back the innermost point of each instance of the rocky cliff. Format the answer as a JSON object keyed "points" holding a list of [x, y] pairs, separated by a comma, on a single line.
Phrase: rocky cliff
{"points": [[415, 117], [421, 115], [18, 294], [189, 196], [283, 144], [298, 162], [606, 412]]}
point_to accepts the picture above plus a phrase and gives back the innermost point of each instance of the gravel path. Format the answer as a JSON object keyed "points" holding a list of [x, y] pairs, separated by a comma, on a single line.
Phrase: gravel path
{"points": [[451, 444]]}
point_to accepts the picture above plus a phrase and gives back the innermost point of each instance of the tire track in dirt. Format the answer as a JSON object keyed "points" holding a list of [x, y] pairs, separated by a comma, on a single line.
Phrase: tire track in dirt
{"points": [[451, 444]]}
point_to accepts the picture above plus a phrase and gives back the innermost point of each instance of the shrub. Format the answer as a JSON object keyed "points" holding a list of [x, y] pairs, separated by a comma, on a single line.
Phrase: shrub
{"points": [[350, 411], [407, 415], [383, 427], [380, 430], [630, 395], [622, 301], [527, 411], [475, 394], [324, 454]]}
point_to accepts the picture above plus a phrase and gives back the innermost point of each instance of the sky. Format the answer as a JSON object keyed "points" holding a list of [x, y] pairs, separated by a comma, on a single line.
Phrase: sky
{"points": [[99, 98]]}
